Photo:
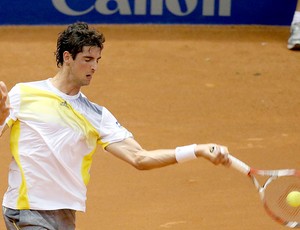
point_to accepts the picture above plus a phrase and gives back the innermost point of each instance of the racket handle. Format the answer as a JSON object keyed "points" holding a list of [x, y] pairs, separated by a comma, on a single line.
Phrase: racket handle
{"points": [[239, 165]]}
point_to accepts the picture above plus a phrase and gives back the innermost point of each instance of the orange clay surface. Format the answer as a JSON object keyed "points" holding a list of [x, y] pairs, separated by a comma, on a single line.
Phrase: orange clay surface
{"points": [[171, 86]]}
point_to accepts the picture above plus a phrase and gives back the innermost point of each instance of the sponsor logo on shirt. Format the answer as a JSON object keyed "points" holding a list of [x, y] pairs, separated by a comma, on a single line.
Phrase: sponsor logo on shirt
{"points": [[65, 104]]}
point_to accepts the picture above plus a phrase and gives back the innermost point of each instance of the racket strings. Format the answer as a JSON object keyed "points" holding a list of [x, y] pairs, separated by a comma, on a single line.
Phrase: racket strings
{"points": [[292, 211], [275, 199]]}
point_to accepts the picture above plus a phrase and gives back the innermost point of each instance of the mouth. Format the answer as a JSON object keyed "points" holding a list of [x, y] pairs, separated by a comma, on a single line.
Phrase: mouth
{"points": [[89, 76]]}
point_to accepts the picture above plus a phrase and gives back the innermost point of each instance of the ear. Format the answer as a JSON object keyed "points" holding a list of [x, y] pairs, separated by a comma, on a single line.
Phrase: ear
{"points": [[67, 57]]}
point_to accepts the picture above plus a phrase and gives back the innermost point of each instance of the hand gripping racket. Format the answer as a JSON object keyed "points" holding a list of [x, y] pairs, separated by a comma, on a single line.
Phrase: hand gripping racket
{"points": [[278, 184]]}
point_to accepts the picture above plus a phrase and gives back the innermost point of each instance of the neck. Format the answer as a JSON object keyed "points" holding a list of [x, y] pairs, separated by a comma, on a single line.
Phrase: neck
{"points": [[64, 84]]}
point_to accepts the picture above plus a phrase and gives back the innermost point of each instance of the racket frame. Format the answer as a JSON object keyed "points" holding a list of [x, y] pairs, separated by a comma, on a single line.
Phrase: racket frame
{"points": [[245, 169]]}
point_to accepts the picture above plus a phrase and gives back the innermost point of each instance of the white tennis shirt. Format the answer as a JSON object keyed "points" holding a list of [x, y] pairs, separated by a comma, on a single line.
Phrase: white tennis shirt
{"points": [[53, 139]]}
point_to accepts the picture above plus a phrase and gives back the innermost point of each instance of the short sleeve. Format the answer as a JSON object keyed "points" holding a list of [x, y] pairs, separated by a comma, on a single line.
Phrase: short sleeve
{"points": [[111, 130]]}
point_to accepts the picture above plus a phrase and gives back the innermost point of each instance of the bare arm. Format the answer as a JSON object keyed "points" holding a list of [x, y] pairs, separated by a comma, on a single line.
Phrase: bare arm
{"points": [[4, 106], [131, 152]]}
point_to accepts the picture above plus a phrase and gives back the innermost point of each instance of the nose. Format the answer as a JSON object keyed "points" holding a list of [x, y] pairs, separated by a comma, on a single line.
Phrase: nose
{"points": [[94, 66]]}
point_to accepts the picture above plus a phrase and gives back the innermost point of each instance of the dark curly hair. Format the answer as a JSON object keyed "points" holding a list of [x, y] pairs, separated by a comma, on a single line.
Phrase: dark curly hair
{"points": [[74, 38]]}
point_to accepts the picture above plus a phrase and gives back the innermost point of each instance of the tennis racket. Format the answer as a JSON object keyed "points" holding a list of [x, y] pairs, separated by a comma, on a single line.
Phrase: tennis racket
{"points": [[273, 192]]}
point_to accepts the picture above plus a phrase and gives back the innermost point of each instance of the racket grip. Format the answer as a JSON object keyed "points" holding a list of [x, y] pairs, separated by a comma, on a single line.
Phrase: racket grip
{"points": [[239, 165]]}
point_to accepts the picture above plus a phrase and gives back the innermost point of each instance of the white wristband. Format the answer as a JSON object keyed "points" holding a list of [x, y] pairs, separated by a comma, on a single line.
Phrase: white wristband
{"points": [[185, 153]]}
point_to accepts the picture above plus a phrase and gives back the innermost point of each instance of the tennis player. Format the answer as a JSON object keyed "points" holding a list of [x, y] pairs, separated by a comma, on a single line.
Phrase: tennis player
{"points": [[55, 130]]}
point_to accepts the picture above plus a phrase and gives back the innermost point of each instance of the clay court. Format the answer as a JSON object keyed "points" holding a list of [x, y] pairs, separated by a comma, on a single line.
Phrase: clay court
{"points": [[171, 86]]}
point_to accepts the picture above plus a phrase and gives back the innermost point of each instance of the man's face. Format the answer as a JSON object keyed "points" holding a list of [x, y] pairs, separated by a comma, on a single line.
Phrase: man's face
{"points": [[84, 65]]}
